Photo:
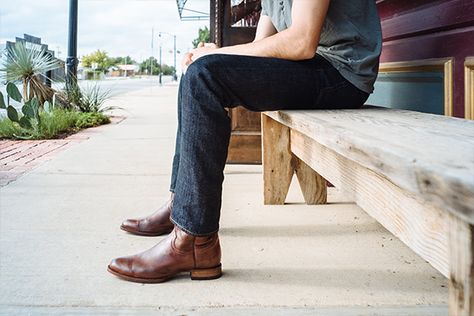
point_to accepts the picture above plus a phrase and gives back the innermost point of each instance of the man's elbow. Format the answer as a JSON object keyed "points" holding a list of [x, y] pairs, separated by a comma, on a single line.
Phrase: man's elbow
{"points": [[307, 53], [304, 46], [305, 50]]}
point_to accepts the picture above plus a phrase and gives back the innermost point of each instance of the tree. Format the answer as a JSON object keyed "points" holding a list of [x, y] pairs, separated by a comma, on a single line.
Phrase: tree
{"points": [[152, 63], [203, 36], [127, 60], [99, 59], [150, 66], [168, 70]]}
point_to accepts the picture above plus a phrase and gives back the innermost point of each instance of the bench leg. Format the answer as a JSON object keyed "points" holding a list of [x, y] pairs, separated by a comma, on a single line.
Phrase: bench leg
{"points": [[277, 167], [461, 283], [313, 186]]}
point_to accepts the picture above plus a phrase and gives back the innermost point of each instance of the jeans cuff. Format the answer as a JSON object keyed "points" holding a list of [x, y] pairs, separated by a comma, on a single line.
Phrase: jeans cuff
{"points": [[188, 231]]}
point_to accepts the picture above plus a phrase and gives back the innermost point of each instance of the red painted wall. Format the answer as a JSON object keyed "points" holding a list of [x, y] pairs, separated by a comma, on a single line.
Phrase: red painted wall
{"points": [[421, 29]]}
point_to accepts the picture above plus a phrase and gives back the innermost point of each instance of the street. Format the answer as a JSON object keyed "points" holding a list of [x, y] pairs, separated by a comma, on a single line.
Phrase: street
{"points": [[116, 86], [124, 85]]}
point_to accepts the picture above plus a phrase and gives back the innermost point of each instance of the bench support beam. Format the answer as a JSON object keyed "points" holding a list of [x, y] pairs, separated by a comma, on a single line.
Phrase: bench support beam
{"points": [[313, 186], [420, 226], [461, 283], [277, 164]]}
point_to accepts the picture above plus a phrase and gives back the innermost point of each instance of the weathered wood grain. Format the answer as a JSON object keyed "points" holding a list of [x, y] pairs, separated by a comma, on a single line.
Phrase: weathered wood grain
{"points": [[461, 283], [245, 148], [313, 186], [422, 227], [278, 169], [429, 156]]}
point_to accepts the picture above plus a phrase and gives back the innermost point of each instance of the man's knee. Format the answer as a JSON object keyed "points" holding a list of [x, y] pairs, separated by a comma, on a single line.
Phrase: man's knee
{"points": [[204, 68], [203, 82]]}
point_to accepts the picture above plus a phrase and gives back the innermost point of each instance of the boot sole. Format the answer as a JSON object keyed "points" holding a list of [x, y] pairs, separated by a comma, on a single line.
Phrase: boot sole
{"points": [[195, 274], [148, 234]]}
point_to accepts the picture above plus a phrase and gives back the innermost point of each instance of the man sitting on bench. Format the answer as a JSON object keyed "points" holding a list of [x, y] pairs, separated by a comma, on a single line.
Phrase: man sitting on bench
{"points": [[307, 54]]}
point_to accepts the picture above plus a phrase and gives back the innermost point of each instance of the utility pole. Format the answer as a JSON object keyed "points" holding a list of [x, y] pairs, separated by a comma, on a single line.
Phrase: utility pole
{"points": [[175, 77], [150, 60], [71, 60], [174, 52], [161, 68]]}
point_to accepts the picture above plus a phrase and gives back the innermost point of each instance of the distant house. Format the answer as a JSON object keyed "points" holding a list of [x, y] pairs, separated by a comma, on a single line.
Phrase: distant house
{"points": [[124, 70]]}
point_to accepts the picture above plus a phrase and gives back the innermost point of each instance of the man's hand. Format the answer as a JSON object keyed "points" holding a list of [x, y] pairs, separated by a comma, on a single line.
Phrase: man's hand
{"points": [[187, 60], [202, 49]]}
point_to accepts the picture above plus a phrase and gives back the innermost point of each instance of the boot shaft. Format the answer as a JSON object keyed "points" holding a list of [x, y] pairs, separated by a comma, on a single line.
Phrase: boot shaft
{"points": [[206, 249]]}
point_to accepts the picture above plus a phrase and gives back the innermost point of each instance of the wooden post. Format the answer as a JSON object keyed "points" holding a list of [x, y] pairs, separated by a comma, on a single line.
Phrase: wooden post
{"points": [[313, 186], [278, 169], [461, 283]]}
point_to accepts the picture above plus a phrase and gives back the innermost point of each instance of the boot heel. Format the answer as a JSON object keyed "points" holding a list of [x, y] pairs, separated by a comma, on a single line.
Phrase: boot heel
{"points": [[206, 274]]}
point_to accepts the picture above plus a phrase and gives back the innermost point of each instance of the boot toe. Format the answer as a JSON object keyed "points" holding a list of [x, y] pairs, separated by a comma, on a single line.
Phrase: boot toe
{"points": [[121, 266], [130, 225]]}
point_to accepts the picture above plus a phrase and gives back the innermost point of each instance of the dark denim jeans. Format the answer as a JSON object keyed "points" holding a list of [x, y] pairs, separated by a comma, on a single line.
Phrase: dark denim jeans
{"points": [[215, 82]]}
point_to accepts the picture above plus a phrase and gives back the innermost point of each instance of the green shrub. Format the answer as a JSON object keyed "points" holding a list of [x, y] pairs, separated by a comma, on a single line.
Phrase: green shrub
{"points": [[91, 119], [11, 130], [58, 123]]}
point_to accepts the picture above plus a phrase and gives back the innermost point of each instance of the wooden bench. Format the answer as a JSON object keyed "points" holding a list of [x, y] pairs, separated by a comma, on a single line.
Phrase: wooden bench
{"points": [[412, 172]]}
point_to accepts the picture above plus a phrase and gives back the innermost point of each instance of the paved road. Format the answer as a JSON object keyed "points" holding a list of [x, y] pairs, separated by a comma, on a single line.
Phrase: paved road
{"points": [[121, 86]]}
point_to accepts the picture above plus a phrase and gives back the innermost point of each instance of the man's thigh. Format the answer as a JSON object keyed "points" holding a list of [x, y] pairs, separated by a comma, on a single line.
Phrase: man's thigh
{"points": [[262, 84]]}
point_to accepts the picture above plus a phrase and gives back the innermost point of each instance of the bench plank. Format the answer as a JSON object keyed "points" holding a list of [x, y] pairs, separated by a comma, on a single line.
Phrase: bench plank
{"points": [[428, 155]]}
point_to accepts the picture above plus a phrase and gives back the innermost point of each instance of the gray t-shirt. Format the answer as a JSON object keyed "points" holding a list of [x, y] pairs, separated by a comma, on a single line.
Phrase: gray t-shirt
{"points": [[351, 37]]}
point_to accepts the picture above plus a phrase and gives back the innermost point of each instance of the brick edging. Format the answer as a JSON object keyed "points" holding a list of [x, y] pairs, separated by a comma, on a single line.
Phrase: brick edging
{"points": [[18, 157]]}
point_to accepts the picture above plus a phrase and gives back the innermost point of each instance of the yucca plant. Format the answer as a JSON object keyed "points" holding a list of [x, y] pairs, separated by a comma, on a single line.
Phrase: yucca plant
{"points": [[28, 65], [93, 98], [90, 98]]}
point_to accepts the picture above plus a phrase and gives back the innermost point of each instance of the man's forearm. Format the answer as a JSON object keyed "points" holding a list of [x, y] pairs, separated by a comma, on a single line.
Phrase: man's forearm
{"points": [[285, 45]]}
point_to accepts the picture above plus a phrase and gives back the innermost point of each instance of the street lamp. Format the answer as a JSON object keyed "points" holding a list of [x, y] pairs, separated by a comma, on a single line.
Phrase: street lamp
{"points": [[71, 60], [174, 53]]}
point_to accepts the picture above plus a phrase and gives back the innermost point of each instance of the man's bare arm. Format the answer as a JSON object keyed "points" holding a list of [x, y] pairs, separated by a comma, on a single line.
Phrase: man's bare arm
{"points": [[297, 42], [265, 28]]}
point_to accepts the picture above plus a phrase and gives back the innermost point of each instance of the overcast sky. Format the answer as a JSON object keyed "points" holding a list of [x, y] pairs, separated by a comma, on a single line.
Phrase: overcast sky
{"points": [[120, 27]]}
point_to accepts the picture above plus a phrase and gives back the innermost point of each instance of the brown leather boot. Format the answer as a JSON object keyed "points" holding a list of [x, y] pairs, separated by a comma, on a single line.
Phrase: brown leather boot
{"points": [[155, 224], [178, 252]]}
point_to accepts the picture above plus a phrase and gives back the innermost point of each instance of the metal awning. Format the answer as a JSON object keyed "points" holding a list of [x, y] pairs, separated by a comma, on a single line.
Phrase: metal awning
{"points": [[186, 14]]}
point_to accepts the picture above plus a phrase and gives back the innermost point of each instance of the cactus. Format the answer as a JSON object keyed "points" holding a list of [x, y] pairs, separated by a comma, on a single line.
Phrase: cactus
{"points": [[12, 114], [13, 92], [47, 107], [2, 101], [30, 109]]}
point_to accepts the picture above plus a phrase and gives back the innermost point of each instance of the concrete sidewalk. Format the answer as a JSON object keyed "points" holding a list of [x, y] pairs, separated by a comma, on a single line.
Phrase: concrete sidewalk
{"points": [[59, 228]]}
